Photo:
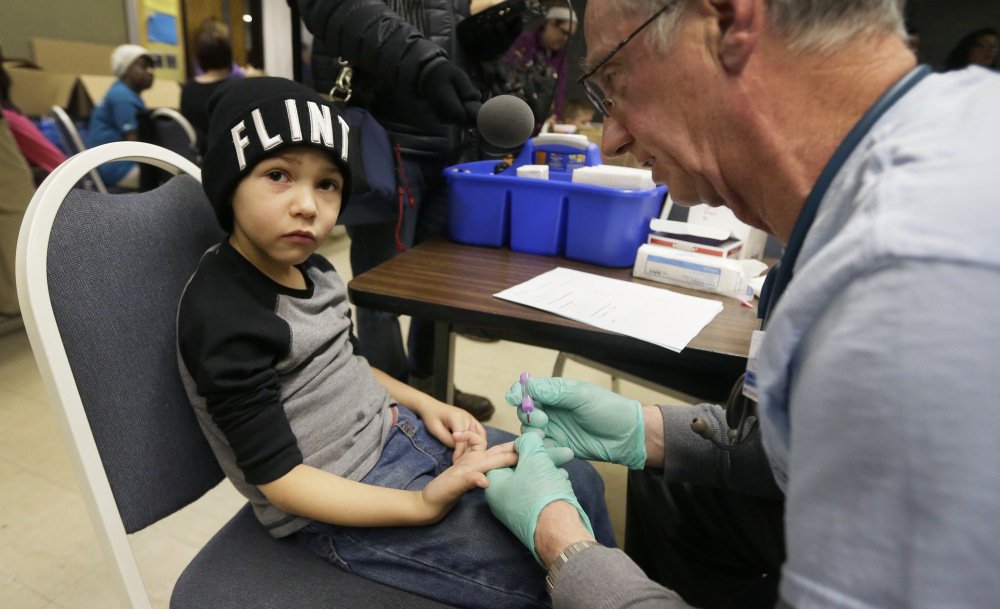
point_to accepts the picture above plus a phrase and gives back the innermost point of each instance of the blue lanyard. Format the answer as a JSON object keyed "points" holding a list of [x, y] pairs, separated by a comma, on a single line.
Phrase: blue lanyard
{"points": [[780, 276]]}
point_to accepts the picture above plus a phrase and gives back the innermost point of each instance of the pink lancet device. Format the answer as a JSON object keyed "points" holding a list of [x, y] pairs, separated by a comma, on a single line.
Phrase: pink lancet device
{"points": [[527, 404]]}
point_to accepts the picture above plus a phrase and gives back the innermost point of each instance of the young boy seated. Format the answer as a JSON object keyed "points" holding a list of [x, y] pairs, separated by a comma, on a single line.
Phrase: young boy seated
{"points": [[370, 474], [577, 117], [579, 113]]}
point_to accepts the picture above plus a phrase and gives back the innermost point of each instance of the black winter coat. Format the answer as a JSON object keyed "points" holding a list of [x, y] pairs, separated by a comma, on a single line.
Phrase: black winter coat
{"points": [[390, 44]]}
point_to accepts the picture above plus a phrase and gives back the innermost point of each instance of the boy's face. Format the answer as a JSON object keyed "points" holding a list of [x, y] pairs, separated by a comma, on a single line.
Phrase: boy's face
{"points": [[583, 119], [284, 209]]}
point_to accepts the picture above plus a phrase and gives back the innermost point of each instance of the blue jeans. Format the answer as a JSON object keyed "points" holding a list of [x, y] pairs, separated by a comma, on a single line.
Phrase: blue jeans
{"points": [[468, 559]]}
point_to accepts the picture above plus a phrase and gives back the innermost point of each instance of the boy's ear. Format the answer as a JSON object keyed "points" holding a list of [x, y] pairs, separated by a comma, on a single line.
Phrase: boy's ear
{"points": [[740, 25]]}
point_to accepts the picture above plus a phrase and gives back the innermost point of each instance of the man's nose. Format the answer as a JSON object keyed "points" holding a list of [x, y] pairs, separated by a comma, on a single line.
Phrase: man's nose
{"points": [[615, 139]]}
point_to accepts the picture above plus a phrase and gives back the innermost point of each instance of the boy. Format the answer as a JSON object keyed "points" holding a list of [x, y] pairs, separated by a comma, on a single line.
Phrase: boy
{"points": [[320, 443], [578, 112]]}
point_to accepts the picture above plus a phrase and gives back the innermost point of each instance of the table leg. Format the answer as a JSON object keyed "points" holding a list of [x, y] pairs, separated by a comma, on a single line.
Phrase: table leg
{"points": [[444, 362]]}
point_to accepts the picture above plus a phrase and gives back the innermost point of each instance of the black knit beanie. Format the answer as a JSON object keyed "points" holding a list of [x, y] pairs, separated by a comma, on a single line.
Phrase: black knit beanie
{"points": [[251, 119]]}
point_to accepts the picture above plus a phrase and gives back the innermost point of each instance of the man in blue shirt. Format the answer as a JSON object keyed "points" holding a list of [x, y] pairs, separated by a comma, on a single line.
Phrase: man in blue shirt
{"points": [[115, 119], [875, 372]]}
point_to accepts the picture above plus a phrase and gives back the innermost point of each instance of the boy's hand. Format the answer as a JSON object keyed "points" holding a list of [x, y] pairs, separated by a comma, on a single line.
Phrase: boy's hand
{"points": [[444, 422], [467, 473]]}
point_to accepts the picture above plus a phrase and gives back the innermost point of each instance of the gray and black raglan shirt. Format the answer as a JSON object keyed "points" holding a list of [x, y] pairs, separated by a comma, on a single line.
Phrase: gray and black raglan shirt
{"points": [[274, 379]]}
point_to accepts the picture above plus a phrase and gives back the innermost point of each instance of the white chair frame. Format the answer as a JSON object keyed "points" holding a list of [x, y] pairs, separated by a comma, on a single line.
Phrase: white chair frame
{"points": [[178, 118], [74, 134], [46, 342]]}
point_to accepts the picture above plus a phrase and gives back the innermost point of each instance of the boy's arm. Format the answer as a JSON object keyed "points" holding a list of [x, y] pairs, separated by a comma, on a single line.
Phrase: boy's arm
{"points": [[401, 393], [318, 495], [441, 420]]}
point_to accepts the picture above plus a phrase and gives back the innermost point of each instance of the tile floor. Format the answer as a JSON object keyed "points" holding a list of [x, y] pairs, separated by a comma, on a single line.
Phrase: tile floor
{"points": [[49, 557]]}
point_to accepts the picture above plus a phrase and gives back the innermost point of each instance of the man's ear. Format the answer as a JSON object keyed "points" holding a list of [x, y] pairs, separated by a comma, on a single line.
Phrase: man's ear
{"points": [[741, 23]]}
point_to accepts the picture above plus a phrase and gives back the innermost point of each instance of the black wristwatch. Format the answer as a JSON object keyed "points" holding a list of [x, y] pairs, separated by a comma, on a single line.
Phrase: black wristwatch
{"points": [[565, 555]]}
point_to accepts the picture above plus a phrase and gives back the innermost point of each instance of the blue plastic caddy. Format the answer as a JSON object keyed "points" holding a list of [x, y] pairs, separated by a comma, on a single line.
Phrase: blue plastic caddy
{"points": [[596, 224]]}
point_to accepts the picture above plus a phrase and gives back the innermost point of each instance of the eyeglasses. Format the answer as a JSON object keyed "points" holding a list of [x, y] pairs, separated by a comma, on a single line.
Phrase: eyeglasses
{"points": [[593, 89]]}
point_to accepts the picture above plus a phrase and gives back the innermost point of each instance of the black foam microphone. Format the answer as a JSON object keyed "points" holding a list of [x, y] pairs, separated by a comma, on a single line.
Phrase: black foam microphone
{"points": [[505, 121]]}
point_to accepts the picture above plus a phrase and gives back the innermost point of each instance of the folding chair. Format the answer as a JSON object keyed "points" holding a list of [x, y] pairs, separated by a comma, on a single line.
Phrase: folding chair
{"points": [[167, 128], [73, 144], [175, 133], [99, 277]]}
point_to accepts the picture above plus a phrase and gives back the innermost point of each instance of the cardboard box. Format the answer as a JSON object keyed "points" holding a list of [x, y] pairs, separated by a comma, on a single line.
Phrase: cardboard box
{"points": [[70, 57], [36, 91]]}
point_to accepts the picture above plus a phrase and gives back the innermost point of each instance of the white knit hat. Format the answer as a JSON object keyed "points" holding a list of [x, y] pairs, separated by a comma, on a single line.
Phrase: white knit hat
{"points": [[124, 56], [561, 13]]}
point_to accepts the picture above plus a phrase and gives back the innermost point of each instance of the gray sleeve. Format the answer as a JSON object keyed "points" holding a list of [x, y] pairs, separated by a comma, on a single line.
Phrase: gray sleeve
{"points": [[740, 466], [602, 578], [605, 578]]}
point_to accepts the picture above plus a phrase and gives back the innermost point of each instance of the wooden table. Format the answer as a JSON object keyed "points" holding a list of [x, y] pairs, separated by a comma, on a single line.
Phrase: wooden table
{"points": [[453, 285]]}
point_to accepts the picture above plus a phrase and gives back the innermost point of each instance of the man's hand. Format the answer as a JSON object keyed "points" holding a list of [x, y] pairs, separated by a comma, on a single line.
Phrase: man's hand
{"points": [[450, 93], [517, 496], [593, 422]]}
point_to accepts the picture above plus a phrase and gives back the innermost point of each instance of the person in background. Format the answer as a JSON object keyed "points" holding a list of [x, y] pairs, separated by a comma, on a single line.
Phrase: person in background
{"points": [[213, 26], [538, 59], [578, 112], [41, 154], [577, 115], [214, 57], [116, 118], [870, 403], [16, 189], [407, 72], [978, 48]]}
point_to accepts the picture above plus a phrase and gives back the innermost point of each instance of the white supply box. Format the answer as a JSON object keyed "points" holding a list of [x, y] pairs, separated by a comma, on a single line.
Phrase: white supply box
{"points": [[725, 276], [753, 239], [710, 240], [535, 172], [612, 176]]}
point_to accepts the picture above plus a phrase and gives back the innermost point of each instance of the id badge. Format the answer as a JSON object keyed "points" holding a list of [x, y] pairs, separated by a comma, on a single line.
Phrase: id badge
{"points": [[750, 381]]}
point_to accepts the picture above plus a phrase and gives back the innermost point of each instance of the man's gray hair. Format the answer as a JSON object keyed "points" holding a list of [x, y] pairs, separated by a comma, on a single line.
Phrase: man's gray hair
{"points": [[817, 25]]}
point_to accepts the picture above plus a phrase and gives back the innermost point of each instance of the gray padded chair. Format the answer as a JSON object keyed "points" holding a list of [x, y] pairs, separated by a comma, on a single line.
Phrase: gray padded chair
{"points": [[99, 277]]}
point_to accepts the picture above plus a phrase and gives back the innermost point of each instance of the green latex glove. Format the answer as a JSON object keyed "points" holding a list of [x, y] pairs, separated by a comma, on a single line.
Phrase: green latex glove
{"points": [[593, 422], [516, 496]]}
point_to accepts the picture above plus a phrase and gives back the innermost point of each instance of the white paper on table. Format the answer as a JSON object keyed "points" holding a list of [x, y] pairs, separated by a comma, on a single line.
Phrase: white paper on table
{"points": [[655, 315]]}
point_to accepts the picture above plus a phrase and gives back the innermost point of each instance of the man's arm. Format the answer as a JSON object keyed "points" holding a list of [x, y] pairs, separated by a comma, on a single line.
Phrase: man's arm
{"points": [[686, 456], [598, 577], [601, 425]]}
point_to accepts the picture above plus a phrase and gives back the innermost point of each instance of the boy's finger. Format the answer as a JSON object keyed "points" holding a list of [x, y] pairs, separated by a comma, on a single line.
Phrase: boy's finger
{"points": [[460, 449], [495, 461], [473, 440]]}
